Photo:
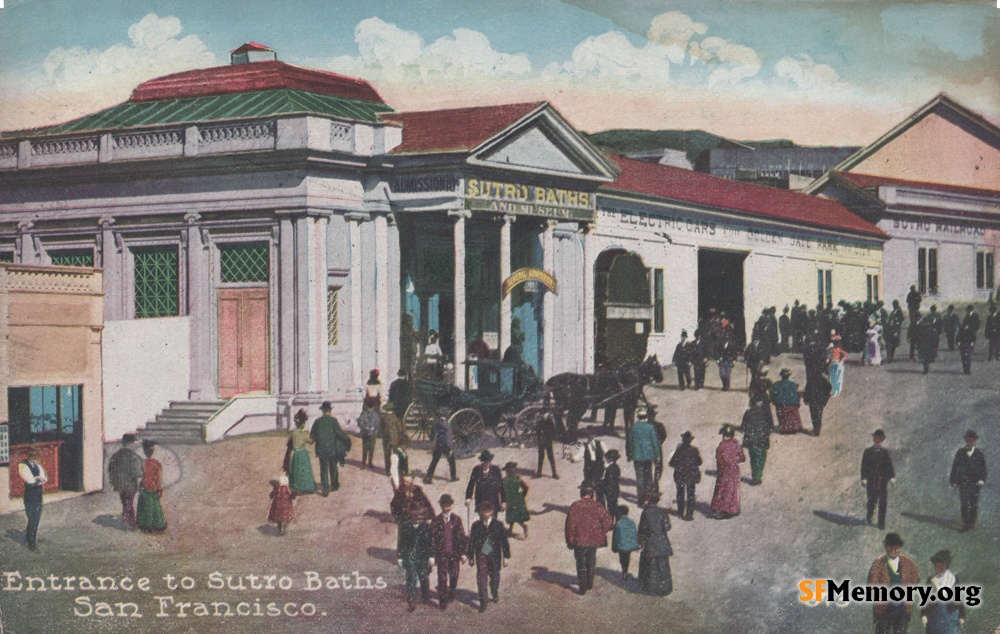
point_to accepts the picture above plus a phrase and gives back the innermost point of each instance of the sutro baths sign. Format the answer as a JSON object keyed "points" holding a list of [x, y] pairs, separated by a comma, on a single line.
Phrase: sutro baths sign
{"points": [[529, 200]]}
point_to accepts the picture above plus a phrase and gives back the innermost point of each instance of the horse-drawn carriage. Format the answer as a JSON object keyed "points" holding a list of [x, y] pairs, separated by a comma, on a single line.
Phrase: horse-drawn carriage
{"points": [[502, 397]]}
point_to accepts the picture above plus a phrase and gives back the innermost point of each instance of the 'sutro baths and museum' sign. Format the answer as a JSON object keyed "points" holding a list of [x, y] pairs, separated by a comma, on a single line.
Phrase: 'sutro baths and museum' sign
{"points": [[528, 200]]}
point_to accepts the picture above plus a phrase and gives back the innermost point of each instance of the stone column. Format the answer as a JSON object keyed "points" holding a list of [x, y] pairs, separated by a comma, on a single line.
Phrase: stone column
{"points": [[198, 307], [382, 296], [505, 307], [392, 286], [459, 234], [284, 382], [588, 297], [354, 223], [27, 244], [114, 277], [548, 301]]}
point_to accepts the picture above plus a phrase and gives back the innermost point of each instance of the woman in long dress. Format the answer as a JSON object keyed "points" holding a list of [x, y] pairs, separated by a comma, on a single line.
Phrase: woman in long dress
{"points": [[836, 358], [149, 516], [515, 491], [873, 345], [300, 474], [655, 550], [728, 457]]}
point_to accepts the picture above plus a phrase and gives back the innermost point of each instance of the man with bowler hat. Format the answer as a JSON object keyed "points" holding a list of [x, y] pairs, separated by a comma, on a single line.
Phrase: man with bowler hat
{"points": [[33, 474], [968, 475], [876, 475], [450, 544], [124, 475], [587, 526], [892, 569], [486, 484], [332, 445], [686, 463]]}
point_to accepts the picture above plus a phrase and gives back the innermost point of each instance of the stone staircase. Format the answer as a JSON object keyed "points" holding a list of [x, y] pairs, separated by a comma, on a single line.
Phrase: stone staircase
{"points": [[181, 423]]}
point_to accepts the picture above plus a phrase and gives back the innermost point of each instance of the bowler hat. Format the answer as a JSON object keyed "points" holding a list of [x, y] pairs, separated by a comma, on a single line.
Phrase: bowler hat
{"points": [[510, 466], [687, 436], [485, 455], [879, 434], [972, 434], [941, 557], [893, 539], [128, 439], [785, 372], [612, 454], [326, 406]]}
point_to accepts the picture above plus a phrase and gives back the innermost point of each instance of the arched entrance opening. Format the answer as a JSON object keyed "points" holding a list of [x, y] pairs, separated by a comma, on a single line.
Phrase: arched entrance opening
{"points": [[623, 309]]}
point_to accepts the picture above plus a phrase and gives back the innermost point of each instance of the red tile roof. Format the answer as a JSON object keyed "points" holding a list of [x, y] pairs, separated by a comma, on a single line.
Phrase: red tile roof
{"points": [[252, 46], [224, 80], [870, 180], [675, 183], [456, 130]]}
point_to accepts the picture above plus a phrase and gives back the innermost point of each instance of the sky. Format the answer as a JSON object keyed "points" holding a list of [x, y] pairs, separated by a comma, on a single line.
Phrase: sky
{"points": [[819, 72]]}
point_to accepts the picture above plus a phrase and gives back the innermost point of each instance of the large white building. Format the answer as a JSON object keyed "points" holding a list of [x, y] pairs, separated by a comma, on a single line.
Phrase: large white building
{"points": [[286, 231], [933, 184]]}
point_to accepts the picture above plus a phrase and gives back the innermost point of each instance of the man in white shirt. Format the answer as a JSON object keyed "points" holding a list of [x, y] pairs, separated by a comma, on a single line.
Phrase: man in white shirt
{"points": [[34, 477]]}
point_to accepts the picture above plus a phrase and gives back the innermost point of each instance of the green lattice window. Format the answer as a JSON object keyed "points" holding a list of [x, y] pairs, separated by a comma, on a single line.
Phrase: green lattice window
{"points": [[242, 263], [7, 256], [156, 290], [76, 257]]}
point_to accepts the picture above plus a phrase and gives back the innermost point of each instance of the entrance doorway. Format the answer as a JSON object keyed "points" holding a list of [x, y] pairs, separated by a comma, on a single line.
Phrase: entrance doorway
{"points": [[243, 341], [623, 309], [50, 418], [720, 286]]}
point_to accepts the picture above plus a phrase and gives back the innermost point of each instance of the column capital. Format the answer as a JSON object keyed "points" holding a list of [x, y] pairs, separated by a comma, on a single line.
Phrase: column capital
{"points": [[357, 216], [460, 213], [106, 222], [25, 226], [192, 218], [551, 224], [587, 227]]}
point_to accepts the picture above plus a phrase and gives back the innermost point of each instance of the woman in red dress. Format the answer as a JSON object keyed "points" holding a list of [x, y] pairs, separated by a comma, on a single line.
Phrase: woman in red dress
{"points": [[281, 512], [149, 516], [728, 457]]}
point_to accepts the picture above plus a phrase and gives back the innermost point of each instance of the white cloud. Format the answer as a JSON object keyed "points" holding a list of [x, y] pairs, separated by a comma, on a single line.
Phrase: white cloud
{"points": [[807, 74], [731, 62], [155, 50], [611, 57], [395, 54], [674, 28]]}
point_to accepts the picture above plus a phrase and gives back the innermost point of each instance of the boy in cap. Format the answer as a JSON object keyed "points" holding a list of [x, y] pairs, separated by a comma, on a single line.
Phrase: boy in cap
{"points": [[968, 475], [876, 474]]}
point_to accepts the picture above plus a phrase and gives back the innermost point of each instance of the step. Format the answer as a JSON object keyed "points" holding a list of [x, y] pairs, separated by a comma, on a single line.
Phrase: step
{"points": [[176, 425], [198, 406], [168, 437], [172, 414]]}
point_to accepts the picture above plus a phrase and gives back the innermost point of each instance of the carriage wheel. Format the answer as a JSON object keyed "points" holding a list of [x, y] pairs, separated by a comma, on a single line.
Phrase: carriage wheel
{"points": [[468, 427], [418, 420], [527, 424], [507, 428]]}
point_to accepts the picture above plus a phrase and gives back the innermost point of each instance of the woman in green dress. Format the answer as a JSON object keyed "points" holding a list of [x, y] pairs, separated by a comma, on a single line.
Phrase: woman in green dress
{"points": [[515, 490], [300, 474], [149, 516]]}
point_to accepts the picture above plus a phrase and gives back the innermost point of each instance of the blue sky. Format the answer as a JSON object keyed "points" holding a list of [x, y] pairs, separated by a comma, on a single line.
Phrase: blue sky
{"points": [[817, 71]]}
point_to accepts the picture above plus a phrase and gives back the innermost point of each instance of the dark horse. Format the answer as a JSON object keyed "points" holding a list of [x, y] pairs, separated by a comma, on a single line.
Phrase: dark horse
{"points": [[609, 389]]}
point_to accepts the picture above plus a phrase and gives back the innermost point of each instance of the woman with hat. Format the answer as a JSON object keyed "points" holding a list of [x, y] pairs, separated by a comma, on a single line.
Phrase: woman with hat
{"points": [[149, 517], [33, 474], [655, 550], [300, 474], [515, 491], [942, 617], [785, 396], [836, 356], [728, 457]]}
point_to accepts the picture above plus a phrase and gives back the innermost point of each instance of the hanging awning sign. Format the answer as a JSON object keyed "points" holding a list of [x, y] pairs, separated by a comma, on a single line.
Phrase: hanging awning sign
{"points": [[521, 276]]}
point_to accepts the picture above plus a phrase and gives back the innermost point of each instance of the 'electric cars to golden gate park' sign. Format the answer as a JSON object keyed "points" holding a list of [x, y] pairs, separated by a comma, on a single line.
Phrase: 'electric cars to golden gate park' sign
{"points": [[528, 200]]}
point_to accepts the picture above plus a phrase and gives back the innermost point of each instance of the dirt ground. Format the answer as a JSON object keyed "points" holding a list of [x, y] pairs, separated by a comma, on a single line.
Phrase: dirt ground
{"points": [[736, 575]]}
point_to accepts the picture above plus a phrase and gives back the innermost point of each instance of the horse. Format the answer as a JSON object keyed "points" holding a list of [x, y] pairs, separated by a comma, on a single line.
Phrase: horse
{"points": [[608, 388]]}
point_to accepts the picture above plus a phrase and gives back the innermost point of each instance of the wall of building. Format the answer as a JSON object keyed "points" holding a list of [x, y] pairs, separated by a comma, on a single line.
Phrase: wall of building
{"points": [[51, 321], [146, 365], [936, 151]]}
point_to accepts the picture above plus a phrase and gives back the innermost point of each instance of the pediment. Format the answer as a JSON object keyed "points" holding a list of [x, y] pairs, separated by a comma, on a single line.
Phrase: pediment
{"points": [[534, 148]]}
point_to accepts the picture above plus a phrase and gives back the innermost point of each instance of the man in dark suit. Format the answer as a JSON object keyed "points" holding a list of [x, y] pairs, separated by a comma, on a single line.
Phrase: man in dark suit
{"points": [[680, 361], [876, 474], [125, 476], [968, 474], [486, 483], [332, 445], [488, 547], [413, 513], [992, 332], [686, 463], [444, 445], [587, 525], [400, 393], [450, 546], [545, 434]]}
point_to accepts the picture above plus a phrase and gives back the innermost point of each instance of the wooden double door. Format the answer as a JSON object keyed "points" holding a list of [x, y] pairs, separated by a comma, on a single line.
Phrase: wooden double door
{"points": [[244, 345]]}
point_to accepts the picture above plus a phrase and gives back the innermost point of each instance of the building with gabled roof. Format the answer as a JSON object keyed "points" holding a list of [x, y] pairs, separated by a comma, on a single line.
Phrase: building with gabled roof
{"points": [[933, 184], [304, 232]]}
